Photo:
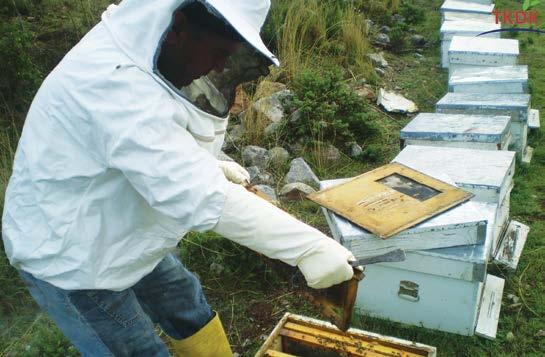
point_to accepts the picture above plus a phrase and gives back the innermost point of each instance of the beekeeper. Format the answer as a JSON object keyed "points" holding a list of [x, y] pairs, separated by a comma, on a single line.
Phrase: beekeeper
{"points": [[118, 161]]}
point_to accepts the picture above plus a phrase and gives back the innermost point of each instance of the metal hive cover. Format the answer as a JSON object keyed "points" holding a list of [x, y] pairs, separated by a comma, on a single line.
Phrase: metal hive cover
{"points": [[464, 6], [390, 199], [485, 74]]}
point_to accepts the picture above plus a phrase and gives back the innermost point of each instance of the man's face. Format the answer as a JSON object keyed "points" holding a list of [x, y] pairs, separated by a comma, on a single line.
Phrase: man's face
{"points": [[187, 55]]}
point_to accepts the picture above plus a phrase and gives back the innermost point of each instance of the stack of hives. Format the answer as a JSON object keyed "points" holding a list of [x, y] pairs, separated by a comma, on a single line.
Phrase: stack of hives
{"points": [[473, 140]]}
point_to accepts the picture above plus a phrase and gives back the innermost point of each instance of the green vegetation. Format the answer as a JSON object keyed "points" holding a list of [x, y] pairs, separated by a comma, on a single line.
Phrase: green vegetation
{"points": [[313, 39]]}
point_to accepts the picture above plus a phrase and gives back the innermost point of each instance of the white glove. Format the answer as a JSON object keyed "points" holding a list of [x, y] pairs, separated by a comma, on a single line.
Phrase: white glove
{"points": [[234, 172], [263, 227]]}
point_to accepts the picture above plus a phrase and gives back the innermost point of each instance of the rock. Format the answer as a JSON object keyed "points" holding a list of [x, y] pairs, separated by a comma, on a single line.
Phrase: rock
{"points": [[255, 156], [382, 39], [418, 40], [295, 116], [272, 107], [398, 18], [419, 55], [368, 26], [510, 336], [224, 157], [540, 333], [366, 92], [242, 101], [331, 153], [259, 177], [278, 156], [272, 128], [236, 354], [301, 172], [267, 88], [355, 150], [295, 191], [268, 190], [513, 298], [296, 148], [233, 137], [216, 268], [385, 29], [397, 88], [380, 71], [378, 60], [395, 103]]}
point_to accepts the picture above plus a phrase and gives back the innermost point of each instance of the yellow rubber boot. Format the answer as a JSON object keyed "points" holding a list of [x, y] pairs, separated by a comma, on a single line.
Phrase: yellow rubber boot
{"points": [[210, 341]]}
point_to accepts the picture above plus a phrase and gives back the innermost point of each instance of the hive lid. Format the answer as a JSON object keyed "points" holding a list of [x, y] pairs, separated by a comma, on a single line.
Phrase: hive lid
{"points": [[464, 6], [390, 199], [485, 74], [492, 101], [484, 45], [457, 127], [467, 27]]}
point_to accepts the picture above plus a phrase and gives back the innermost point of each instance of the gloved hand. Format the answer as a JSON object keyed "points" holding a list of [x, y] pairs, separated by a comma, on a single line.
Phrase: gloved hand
{"points": [[234, 172], [265, 228]]}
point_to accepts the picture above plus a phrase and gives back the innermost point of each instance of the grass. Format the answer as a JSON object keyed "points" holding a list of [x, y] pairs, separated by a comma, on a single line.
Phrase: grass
{"points": [[252, 294]]}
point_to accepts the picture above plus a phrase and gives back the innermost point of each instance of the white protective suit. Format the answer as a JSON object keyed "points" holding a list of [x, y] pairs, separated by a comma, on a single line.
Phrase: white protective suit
{"points": [[115, 165]]}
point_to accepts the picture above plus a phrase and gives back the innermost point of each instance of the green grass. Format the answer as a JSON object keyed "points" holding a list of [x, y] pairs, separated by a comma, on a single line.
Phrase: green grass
{"points": [[251, 294]]}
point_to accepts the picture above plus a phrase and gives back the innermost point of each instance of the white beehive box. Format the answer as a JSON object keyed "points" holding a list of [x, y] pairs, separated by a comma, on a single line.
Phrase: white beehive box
{"points": [[517, 106], [439, 288], [466, 28], [481, 51], [481, 10], [489, 80], [486, 132], [487, 174]]}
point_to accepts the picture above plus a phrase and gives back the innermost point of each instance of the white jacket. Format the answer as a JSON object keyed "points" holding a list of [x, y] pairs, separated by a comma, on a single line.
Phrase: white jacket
{"points": [[114, 166]]}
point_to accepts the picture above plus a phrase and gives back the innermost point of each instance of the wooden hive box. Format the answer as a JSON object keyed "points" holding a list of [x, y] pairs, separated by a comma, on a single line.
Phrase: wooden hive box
{"points": [[465, 28], [298, 336], [489, 80], [474, 10], [485, 132], [442, 289], [517, 106], [481, 51]]}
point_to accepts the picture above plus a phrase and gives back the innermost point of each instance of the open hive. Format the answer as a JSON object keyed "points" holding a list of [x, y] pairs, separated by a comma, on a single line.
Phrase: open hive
{"points": [[297, 335]]}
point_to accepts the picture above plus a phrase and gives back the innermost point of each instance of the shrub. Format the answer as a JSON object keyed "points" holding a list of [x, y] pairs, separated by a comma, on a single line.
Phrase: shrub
{"points": [[398, 39], [413, 14], [330, 111]]}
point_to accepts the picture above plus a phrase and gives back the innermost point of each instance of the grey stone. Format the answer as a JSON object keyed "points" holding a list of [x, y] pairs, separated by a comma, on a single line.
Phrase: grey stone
{"points": [[380, 71], [233, 137], [268, 190], [301, 172], [295, 191], [513, 298], [278, 156], [259, 176], [419, 55], [216, 268], [368, 26], [382, 39], [255, 156], [355, 150], [296, 148], [418, 40], [385, 29], [296, 116], [378, 60], [272, 128], [398, 18], [331, 153], [540, 333], [272, 107], [510, 336]]}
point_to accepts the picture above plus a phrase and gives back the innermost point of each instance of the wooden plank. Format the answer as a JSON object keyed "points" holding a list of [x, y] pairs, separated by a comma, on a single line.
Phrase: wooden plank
{"points": [[273, 341], [374, 345], [390, 199], [511, 245], [317, 342], [489, 313]]}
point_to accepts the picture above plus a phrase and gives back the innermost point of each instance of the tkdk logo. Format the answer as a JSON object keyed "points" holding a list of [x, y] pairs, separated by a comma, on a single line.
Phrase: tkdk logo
{"points": [[515, 18]]}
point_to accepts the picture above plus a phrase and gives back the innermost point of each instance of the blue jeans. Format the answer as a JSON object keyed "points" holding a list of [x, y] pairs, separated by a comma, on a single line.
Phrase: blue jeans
{"points": [[121, 323]]}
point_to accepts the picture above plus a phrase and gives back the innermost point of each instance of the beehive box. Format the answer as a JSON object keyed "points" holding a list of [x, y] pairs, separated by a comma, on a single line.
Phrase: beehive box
{"points": [[297, 335], [481, 10], [485, 132], [487, 174], [489, 80], [517, 106], [457, 16], [465, 28], [440, 289], [481, 51]]}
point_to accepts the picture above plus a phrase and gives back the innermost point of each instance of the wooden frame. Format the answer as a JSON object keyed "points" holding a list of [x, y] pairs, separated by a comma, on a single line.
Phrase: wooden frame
{"points": [[384, 209], [322, 336]]}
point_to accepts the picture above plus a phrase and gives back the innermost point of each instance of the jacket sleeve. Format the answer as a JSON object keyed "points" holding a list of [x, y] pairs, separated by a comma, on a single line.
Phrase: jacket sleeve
{"points": [[167, 167]]}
